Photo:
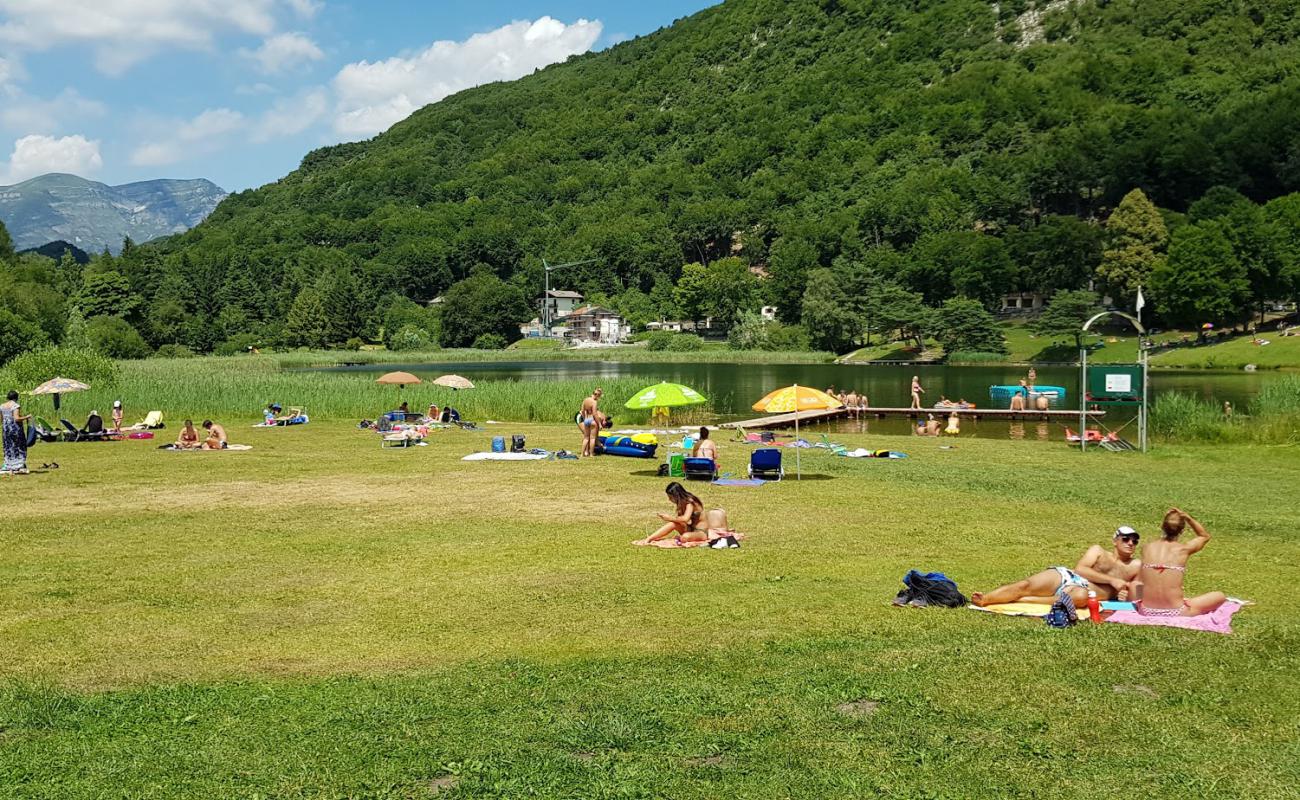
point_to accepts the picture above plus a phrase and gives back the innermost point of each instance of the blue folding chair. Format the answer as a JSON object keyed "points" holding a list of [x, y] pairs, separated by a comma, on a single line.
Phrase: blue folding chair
{"points": [[700, 469], [765, 464]]}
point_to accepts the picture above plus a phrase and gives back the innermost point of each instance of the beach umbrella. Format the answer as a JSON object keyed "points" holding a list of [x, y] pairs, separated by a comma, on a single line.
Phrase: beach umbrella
{"points": [[1207, 326], [665, 395], [398, 379], [793, 399], [453, 382], [58, 386]]}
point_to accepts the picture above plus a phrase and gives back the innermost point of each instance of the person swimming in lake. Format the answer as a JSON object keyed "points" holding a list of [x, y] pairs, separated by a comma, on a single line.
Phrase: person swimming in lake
{"points": [[1164, 569], [684, 522]]}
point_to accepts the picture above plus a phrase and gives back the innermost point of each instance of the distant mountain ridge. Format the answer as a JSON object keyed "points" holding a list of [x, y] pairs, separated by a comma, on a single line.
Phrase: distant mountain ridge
{"points": [[93, 215]]}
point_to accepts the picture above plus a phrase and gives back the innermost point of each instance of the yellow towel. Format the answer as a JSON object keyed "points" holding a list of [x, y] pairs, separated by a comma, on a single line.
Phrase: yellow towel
{"points": [[1024, 609]]}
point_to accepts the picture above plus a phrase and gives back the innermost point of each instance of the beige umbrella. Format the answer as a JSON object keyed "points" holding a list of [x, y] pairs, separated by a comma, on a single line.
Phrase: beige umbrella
{"points": [[453, 382], [58, 386], [399, 379]]}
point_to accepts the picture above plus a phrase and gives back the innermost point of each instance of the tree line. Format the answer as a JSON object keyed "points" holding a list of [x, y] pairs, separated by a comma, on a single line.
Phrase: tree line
{"points": [[837, 160]]}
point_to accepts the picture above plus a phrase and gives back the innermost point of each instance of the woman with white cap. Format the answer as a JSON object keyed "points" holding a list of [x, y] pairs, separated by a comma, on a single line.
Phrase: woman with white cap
{"points": [[117, 416]]}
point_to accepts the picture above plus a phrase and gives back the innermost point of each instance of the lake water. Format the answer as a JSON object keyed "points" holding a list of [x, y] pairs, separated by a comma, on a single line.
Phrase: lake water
{"points": [[733, 388]]}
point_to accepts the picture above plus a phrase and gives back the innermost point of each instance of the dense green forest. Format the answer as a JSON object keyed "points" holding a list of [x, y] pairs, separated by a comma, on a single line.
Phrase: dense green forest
{"points": [[860, 164]]}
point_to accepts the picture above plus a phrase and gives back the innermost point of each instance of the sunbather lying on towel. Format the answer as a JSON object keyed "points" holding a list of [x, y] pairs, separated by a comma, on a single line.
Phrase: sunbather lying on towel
{"points": [[1110, 575]]}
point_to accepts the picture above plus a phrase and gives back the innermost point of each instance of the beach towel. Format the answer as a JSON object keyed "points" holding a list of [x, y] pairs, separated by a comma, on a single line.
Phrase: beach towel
{"points": [[738, 482], [863, 452], [504, 457], [1022, 609], [228, 448], [1217, 621]]}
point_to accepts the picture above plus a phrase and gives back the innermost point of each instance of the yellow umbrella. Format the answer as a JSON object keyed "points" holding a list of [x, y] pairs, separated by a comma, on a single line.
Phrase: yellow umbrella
{"points": [[793, 399]]}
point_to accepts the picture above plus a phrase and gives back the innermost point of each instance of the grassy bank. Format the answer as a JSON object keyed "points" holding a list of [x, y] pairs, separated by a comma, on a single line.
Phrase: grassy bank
{"points": [[1280, 352], [1272, 418], [322, 618]]}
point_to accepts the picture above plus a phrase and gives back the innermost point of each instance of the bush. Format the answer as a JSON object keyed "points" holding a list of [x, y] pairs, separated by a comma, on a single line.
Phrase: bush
{"points": [[37, 366], [787, 337], [18, 335], [114, 337], [409, 337], [685, 342], [354, 344], [659, 340], [173, 351], [237, 344], [489, 341]]}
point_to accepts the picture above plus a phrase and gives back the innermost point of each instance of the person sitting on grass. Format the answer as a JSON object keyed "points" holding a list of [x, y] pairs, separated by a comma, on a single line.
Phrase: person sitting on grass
{"points": [[216, 436], [683, 523], [272, 414], [1018, 399], [719, 531], [188, 438], [1111, 575], [1166, 567], [94, 424], [705, 447]]}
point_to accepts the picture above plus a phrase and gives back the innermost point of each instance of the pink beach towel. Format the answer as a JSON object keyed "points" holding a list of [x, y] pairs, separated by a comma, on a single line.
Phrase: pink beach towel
{"points": [[1218, 621]]}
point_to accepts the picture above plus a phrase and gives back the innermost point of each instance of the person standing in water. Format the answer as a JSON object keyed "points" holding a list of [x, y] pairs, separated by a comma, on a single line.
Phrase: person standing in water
{"points": [[917, 391]]}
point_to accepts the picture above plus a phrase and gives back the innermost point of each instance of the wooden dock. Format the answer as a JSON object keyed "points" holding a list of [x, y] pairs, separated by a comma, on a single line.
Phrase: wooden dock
{"points": [[806, 417]]}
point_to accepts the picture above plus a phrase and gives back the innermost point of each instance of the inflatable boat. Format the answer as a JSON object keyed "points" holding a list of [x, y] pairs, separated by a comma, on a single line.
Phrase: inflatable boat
{"points": [[641, 445]]}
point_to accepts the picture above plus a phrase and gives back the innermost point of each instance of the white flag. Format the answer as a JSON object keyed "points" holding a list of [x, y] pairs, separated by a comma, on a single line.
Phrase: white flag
{"points": [[1141, 301]]}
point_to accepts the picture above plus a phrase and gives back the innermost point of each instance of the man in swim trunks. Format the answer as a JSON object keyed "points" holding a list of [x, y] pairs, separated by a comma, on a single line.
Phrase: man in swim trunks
{"points": [[589, 421], [1110, 575], [216, 436]]}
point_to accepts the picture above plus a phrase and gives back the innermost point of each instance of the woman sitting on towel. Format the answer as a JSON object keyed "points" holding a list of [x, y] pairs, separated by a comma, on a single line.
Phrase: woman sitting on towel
{"points": [[1164, 566], [684, 522], [189, 438]]}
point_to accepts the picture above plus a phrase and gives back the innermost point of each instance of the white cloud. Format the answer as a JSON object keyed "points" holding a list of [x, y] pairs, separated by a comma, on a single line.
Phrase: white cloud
{"points": [[123, 32], [204, 134], [291, 116], [284, 52], [10, 72], [373, 96], [36, 155], [305, 8], [23, 112]]}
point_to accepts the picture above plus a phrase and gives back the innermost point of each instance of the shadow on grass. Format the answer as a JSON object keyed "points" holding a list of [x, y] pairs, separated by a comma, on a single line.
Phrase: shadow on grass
{"points": [[789, 476]]}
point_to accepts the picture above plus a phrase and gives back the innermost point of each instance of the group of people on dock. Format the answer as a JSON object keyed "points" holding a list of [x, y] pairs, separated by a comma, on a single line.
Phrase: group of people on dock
{"points": [[1153, 582]]}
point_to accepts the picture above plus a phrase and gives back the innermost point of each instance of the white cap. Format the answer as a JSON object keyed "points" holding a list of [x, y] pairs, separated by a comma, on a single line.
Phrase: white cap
{"points": [[117, 404]]}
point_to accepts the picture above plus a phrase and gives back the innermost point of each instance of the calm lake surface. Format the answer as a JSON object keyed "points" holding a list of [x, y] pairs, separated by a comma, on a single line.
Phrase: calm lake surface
{"points": [[733, 388]]}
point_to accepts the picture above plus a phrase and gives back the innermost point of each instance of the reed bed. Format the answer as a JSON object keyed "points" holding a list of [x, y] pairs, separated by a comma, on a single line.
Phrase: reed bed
{"points": [[637, 355], [240, 386], [1274, 417]]}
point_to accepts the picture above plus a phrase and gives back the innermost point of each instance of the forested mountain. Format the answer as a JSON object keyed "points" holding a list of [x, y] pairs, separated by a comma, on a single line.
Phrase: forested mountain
{"points": [[94, 216], [843, 150]]}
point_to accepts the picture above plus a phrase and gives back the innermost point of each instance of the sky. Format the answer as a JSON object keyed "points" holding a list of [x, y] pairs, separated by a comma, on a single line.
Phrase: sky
{"points": [[238, 91]]}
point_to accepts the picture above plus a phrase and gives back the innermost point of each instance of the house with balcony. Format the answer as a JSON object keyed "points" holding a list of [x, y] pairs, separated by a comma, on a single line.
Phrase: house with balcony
{"points": [[594, 324]]}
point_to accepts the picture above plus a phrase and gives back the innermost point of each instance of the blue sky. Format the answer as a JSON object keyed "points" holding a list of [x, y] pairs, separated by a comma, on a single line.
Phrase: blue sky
{"points": [[237, 91]]}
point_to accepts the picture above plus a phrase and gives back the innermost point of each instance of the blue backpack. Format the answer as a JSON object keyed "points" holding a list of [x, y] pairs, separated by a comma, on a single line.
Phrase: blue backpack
{"points": [[1063, 613], [498, 444]]}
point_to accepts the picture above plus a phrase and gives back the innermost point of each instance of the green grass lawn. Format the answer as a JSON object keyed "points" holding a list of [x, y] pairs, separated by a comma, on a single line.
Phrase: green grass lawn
{"points": [[1281, 351], [320, 618]]}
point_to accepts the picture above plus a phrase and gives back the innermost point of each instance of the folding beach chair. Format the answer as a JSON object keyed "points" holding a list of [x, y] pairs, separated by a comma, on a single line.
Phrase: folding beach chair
{"points": [[700, 469], [765, 464]]}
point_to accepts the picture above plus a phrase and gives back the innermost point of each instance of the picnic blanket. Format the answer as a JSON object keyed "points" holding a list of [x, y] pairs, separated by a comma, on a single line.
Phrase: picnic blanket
{"points": [[225, 449], [1217, 621], [863, 452], [504, 457], [738, 482]]}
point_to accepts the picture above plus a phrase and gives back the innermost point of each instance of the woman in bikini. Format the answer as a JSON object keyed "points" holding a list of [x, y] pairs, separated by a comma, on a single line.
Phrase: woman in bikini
{"points": [[684, 522], [917, 391], [1164, 566]]}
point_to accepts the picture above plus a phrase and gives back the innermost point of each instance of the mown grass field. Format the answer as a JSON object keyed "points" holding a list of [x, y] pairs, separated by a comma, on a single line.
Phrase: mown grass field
{"points": [[320, 618]]}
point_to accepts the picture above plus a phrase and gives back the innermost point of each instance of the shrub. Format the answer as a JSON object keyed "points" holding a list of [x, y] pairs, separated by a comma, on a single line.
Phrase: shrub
{"points": [[409, 337], [18, 335], [659, 340], [489, 341], [37, 366], [787, 337], [237, 344], [114, 337], [354, 344], [686, 342], [173, 351]]}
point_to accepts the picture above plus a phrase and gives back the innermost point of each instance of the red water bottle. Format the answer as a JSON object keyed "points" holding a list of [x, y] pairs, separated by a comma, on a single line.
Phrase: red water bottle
{"points": [[1094, 608]]}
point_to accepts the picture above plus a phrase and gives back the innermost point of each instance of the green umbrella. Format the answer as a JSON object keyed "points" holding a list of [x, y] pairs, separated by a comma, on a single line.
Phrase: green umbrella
{"points": [[665, 395]]}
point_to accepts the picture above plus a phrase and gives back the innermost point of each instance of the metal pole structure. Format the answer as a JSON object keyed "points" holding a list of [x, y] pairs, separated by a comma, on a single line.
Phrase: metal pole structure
{"points": [[1142, 412], [1083, 396]]}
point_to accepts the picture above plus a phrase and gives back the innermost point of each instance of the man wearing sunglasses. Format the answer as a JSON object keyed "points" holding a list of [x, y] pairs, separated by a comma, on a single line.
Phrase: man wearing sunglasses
{"points": [[1110, 574]]}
